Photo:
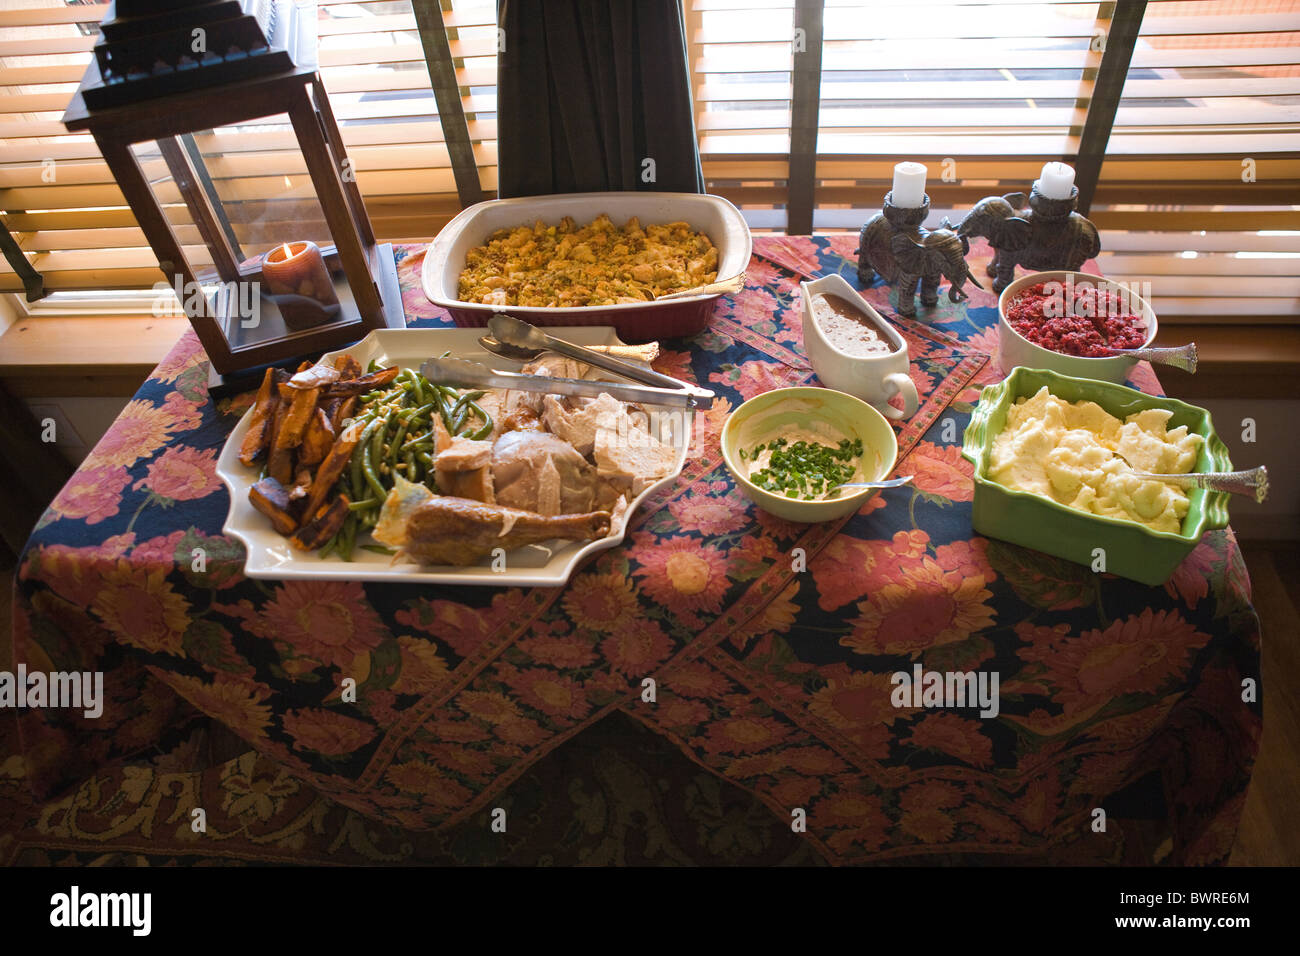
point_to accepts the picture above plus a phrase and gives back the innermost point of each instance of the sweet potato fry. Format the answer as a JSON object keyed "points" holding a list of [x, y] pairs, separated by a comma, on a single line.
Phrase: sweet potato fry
{"points": [[348, 367], [279, 465], [302, 479], [366, 383], [279, 461], [258, 436], [317, 439], [330, 406], [269, 497], [345, 410], [314, 377], [314, 533], [330, 469], [300, 414]]}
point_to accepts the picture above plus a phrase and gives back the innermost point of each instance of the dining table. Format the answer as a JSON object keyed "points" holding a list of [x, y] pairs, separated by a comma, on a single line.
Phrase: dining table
{"points": [[761, 650]]}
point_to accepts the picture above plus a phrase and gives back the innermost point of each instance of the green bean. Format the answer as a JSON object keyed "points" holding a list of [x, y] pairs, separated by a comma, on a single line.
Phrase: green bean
{"points": [[378, 549], [396, 444], [486, 430], [364, 504], [358, 454], [330, 545], [347, 536], [444, 411], [368, 469], [418, 441]]}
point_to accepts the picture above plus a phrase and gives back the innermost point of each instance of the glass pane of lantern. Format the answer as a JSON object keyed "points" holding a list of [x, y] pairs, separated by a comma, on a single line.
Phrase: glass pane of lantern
{"points": [[266, 206], [162, 183], [259, 177]]}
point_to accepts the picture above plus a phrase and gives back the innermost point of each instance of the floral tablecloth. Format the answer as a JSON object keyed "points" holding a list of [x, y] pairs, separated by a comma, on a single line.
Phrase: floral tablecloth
{"points": [[770, 644]]}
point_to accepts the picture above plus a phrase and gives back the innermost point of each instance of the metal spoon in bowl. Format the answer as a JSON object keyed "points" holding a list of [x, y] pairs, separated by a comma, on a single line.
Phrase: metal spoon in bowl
{"points": [[728, 286], [891, 483], [1179, 356], [629, 353], [1252, 482]]}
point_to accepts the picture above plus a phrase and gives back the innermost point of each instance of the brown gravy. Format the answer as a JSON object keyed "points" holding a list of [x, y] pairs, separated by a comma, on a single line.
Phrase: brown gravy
{"points": [[847, 327]]}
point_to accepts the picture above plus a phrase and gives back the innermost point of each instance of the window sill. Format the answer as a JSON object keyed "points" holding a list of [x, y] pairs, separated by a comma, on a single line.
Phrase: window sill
{"points": [[84, 356]]}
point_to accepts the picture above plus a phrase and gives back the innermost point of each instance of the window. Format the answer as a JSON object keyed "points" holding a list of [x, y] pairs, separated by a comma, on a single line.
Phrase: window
{"points": [[64, 210], [1198, 190], [1207, 125]]}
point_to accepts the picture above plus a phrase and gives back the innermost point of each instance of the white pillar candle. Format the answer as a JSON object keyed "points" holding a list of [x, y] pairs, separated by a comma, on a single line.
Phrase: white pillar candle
{"points": [[1056, 181], [909, 186]]}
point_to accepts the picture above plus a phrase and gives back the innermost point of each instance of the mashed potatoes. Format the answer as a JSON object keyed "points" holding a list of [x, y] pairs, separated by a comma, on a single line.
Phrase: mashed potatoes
{"points": [[1079, 455]]}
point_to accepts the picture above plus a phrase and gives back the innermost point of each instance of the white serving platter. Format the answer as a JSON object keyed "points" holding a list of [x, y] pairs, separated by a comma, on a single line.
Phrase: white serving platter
{"points": [[270, 556]]}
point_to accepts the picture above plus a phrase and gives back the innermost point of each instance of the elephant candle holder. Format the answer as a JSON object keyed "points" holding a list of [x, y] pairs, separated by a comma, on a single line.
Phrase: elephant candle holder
{"points": [[1049, 235], [894, 244]]}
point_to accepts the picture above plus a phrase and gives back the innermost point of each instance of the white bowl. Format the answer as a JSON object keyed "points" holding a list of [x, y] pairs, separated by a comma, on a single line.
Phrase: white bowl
{"points": [[1014, 350], [764, 415], [875, 378]]}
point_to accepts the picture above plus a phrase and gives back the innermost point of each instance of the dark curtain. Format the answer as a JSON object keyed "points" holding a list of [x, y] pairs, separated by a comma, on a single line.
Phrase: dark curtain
{"points": [[587, 90]]}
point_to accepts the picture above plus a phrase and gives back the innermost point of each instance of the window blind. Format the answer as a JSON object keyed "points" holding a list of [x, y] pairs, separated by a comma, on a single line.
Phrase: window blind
{"points": [[66, 213], [1200, 191], [741, 57]]}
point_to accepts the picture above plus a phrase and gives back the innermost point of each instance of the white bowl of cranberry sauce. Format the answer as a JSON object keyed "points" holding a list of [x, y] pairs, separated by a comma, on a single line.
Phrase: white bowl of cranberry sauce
{"points": [[1065, 321]]}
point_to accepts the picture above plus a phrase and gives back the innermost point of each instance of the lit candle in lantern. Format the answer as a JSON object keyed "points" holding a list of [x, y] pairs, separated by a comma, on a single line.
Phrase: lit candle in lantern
{"points": [[909, 186], [1056, 181], [297, 269]]}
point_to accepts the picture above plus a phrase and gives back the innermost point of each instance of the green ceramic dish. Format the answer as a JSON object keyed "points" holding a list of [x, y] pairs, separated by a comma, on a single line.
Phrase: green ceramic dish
{"points": [[1131, 549]]}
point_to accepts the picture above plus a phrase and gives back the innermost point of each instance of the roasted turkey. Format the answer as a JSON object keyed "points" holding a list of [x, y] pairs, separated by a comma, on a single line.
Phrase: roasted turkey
{"points": [[458, 531]]}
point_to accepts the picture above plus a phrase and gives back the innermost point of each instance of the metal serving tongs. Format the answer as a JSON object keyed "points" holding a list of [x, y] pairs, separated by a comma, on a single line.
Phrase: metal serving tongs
{"points": [[519, 334], [657, 389]]}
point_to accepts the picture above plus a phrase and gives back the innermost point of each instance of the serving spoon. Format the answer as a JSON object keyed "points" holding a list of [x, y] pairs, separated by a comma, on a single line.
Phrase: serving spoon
{"points": [[891, 483], [631, 353], [1179, 356], [1252, 482], [728, 286]]}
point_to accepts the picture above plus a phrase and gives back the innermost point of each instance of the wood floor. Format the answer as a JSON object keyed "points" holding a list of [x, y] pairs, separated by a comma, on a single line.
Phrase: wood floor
{"points": [[1268, 835]]}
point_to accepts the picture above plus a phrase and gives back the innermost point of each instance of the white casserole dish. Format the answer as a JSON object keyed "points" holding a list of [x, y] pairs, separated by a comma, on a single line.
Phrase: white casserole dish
{"points": [[635, 322]]}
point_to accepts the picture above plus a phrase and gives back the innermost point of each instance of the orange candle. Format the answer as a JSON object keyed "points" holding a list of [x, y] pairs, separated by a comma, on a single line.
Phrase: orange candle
{"points": [[298, 269]]}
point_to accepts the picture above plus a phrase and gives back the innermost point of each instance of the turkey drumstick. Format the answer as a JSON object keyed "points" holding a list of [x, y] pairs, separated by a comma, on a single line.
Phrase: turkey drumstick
{"points": [[459, 531]]}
